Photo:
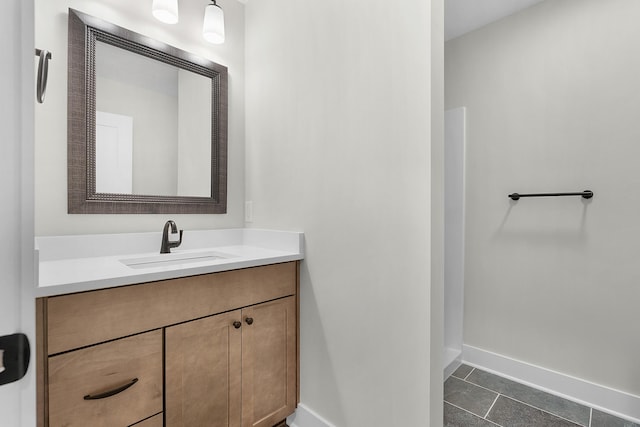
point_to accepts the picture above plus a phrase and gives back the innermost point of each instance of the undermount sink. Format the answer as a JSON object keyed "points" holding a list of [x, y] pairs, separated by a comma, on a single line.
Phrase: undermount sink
{"points": [[163, 260]]}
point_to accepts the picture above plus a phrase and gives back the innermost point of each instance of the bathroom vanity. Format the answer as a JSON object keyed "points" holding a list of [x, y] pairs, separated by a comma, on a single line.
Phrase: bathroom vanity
{"points": [[131, 328], [214, 348]]}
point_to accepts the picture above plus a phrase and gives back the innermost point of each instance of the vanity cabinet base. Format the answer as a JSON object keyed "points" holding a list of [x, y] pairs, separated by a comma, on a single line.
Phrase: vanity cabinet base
{"points": [[217, 358]]}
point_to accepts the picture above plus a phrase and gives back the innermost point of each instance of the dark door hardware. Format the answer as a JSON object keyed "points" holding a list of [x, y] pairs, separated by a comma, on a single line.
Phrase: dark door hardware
{"points": [[249, 320], [237, 324], [15, 357]]}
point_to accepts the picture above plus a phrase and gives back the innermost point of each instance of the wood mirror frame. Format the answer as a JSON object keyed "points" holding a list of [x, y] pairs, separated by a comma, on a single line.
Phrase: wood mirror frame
{"points": [[84, 32]]}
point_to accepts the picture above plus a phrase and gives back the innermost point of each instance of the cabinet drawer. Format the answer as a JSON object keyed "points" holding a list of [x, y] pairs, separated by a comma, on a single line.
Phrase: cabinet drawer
{"points": [[94, 371], [83, 319], [156, 421]]}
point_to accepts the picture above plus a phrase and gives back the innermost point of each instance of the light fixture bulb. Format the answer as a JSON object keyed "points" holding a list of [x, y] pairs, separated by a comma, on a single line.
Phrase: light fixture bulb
{"points": [[213, 26], [165, 11]]}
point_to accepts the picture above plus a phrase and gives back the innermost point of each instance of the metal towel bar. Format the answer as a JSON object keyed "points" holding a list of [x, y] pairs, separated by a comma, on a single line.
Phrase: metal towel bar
{"points": [[586, 194]]}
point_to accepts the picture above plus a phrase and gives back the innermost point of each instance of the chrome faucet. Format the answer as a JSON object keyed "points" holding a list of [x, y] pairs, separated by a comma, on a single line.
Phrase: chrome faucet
{"points": [[166, 246]]}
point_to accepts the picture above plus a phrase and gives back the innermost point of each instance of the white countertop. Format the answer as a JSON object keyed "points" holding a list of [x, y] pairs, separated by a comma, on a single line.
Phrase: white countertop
{"points": [[68, 264]]}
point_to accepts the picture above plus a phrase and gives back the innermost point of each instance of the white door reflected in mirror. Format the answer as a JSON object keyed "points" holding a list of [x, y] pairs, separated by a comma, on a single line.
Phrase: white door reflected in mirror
{"points": [[114, 153]]}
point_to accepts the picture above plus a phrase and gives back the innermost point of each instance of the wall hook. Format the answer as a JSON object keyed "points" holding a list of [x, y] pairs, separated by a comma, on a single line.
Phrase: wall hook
{"points": [[43, 73]]}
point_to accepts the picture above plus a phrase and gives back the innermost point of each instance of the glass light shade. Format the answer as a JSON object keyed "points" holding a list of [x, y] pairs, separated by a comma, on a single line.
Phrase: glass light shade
{"points": [[213, 27], [165, 11]]}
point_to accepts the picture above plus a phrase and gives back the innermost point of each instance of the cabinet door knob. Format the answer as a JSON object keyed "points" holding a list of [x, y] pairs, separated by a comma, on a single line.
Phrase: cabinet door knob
{"points": [[249, 320], [237, 324]]}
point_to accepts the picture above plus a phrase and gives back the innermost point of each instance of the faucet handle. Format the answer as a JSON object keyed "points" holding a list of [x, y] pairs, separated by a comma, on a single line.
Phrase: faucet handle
{"points": [[176, 243]]}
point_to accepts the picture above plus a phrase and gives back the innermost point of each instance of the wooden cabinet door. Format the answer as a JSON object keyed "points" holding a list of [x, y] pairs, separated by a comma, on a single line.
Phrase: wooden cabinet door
{"points": [[202, 372], [269, 361], [155, 421]]}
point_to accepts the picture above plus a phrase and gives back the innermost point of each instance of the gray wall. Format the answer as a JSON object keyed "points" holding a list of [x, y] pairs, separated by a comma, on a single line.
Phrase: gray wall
{"points": [[553, 99], [338, 145]]}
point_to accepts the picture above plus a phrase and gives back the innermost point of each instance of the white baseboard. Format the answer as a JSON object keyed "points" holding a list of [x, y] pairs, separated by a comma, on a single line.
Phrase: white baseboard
{"points": [[605, 399], [452, 360], [305, 417]]}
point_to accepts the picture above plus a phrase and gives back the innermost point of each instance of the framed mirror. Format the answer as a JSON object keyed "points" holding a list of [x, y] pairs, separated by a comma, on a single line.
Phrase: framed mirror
{"points": [[147, 124]]}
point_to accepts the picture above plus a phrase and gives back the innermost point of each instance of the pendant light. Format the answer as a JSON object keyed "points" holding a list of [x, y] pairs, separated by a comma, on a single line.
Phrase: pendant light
{"points": [[165, 11], [213, 26]]}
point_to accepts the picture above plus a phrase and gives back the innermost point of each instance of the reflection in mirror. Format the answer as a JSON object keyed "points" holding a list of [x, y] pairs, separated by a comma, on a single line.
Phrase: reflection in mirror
{"points": [[147, 124], [153, 134]]}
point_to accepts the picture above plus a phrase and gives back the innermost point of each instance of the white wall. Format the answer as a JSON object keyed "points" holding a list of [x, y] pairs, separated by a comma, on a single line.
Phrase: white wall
{"points": [[51, 128], [17, 310], [454, 234], [553, 98], [436, 307], [338, 145]]}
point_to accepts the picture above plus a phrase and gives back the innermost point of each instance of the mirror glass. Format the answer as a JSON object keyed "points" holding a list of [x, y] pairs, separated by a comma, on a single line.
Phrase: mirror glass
{"points": [[153, 132], [147, 124]]}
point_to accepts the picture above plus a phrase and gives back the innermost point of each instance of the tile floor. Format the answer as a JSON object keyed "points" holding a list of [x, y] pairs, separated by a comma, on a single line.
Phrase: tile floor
{"points": [[475, 398]]}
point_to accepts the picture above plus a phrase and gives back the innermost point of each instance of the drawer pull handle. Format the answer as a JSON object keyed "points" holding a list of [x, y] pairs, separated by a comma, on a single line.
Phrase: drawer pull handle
{"points": [[111, 392]]}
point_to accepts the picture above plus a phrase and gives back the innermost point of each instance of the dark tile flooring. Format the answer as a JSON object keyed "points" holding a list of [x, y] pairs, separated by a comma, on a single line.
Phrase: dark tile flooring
{"points": [[475, 398]]}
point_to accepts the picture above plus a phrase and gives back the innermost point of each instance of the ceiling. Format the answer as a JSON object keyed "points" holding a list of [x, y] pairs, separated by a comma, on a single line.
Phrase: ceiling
{"points": [[463, 16]]}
